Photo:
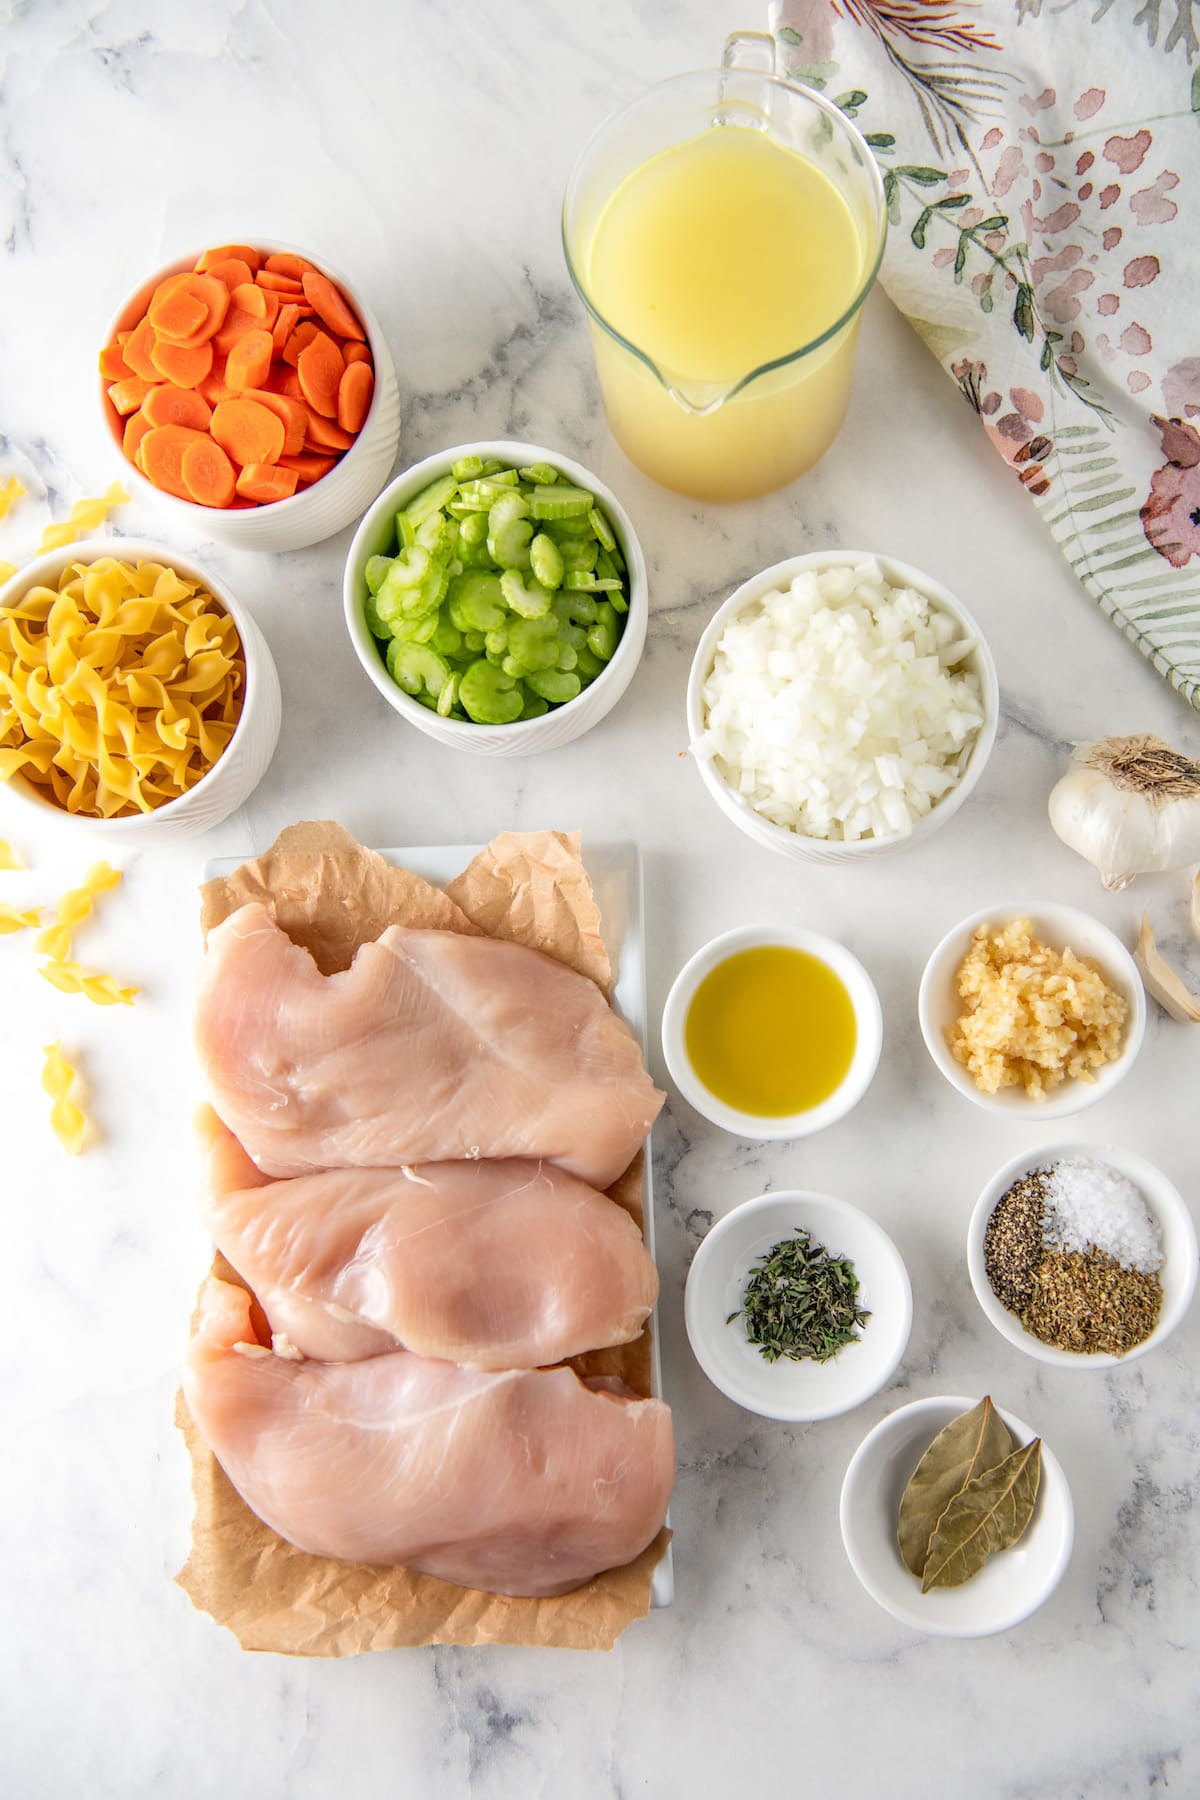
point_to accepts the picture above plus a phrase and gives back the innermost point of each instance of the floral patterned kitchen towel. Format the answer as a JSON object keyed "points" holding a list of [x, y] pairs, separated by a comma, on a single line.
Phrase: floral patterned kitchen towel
{"points": [[1041, 160]]}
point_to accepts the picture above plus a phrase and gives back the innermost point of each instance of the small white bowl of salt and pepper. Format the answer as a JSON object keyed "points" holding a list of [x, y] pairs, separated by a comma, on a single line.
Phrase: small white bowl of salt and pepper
{"points": [[1079, 1221]]}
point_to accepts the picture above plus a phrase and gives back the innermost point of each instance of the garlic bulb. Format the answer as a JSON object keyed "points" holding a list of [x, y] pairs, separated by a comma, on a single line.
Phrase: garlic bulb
{"points": [[1131, 806]]}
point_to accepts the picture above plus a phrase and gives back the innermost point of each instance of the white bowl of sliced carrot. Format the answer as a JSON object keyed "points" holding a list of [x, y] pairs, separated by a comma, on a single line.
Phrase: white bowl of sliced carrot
{"points": [[250, 388]]}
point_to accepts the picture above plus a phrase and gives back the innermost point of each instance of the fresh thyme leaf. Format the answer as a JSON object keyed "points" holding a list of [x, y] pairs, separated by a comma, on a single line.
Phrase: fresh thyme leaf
{"points": [[800, 1302]]}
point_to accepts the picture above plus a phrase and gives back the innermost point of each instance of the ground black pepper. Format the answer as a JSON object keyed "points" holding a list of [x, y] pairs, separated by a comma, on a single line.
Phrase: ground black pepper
{"points": [[1013, 1241]]}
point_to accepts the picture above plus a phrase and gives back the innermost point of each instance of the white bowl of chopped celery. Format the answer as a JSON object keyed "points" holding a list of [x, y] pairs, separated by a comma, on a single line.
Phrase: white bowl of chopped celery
{"points": [[841, 705], [496, 597]]}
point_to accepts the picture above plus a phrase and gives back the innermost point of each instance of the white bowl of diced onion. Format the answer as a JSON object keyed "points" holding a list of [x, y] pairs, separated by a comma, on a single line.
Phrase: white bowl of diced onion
{"points": [[827, 651]]}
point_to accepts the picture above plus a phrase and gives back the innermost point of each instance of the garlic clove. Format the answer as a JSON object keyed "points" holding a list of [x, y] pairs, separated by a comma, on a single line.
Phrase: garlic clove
{"points": [[1161, 981], [1195, 907]]}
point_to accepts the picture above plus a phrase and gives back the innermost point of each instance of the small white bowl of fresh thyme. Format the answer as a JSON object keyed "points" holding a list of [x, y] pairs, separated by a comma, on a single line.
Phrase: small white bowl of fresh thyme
{"points": [[798, 1306]]}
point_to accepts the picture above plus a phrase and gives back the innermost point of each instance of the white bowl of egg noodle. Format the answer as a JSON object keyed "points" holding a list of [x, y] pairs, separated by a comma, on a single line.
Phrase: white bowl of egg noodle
{"points": [[963, 771], [243, 763]]}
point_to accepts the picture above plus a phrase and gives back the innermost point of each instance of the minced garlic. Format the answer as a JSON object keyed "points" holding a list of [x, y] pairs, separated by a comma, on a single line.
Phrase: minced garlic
{"points": [[1034, 1016]]}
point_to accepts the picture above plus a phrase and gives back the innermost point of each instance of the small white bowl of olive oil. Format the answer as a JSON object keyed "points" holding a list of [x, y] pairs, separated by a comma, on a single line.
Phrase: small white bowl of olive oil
{"points": [[771, 1031]]}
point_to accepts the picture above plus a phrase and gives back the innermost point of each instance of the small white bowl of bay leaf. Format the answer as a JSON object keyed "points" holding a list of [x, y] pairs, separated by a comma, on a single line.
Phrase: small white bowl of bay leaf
{"points": [[955, 1518]]}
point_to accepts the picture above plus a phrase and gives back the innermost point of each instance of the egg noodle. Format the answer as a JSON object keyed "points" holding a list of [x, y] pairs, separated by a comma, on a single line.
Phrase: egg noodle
{"points": [[68, 1121], [119, 689], [74, 907], [85, 516], [9, 858], [12, 920]]}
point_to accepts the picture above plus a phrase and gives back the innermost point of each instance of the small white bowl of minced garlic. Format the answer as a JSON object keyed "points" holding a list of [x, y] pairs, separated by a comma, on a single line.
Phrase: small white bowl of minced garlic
{"points": [[1082, 1255], [985, 1018]]}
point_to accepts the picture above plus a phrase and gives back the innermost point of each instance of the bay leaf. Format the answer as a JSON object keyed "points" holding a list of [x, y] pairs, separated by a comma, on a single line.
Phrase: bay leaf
{"points": [[989, 1515], [969, 1445]]}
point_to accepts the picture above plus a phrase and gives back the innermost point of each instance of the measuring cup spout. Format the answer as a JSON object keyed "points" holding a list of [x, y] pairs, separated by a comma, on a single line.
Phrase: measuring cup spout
{"points": [[701, 401]]}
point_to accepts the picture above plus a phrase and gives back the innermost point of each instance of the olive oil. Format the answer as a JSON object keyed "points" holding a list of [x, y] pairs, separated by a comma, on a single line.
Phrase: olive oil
{"points": [[771, 1031]]}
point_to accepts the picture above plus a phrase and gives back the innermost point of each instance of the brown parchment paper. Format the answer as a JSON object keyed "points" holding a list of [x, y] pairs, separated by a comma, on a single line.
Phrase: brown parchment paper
{"points": [[331, 895]]}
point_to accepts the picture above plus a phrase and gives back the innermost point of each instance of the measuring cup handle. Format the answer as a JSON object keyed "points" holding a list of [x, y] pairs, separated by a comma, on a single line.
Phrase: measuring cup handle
{"points": [[750, 50]]}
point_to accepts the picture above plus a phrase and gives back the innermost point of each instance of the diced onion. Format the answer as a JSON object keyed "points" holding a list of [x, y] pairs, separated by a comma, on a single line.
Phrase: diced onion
{"points": [[840, 709]]}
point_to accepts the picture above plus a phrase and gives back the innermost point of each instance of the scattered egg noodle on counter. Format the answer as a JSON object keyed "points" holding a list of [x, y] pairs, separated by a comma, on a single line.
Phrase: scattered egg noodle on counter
{"points": [[119, 690], [9, 858], [67, 1121], [85, 516], [12, 920], [73, 908], [101, 990], [11, 491]]}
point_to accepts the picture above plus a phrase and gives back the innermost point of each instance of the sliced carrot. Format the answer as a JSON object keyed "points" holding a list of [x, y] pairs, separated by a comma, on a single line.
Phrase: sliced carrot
{"points": [[123, 335], [265, 482], [248, 432], [237, 324], [213, 296], [326, 434], [281, 331], [231, 271], [260, 303], [356, 352], [320, 368], [329, 305], [208, 473], [299, 340], [283, 380], [128, 395], [162, 451], [249, 362], [137, 348], [287, 285], [182, 364], [213, 388], [170, 405], [176, 314], [136, 427], [354, 396], [113, 366], [308, 468], [282, 262], [224, 251], [293, 413]]}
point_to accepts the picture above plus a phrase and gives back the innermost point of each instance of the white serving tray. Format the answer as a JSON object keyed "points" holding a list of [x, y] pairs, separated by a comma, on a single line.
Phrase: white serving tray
{"points": [[615, 871]]}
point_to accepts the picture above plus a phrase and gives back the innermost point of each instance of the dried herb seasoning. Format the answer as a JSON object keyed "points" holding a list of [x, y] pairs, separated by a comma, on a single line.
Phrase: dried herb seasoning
{"points": [[1091, 1304], [971, 1495], [801, 1302], [971, 1444]]}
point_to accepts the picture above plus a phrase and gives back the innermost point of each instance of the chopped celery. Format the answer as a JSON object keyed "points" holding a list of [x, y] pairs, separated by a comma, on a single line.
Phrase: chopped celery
{"points": [[534, 643], [561, 502], [555, 685], [547, 560], [578, 559], [417, 669], [602, 636], [406, 533], [476, 602], [415, 631], [445, 637], [430, 500], [534, 707], [377, 568], [568, 656], [510, 505], [467, 468], [489, 696], [528, 602], [448, 695], [540, 474], [605, 535], [509, 547], [473, 642], [587, 666], [375, 625]]}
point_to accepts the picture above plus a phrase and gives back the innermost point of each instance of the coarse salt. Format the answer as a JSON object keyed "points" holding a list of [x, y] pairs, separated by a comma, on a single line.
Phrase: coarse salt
{"points": [[838, 708], [1090, 1205]]}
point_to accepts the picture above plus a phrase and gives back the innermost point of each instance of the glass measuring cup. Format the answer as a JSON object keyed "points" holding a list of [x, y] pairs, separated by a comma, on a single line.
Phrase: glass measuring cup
{"points": [[709, 432]]}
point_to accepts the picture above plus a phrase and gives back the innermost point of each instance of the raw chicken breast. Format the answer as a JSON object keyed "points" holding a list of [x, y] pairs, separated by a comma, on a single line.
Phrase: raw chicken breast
{"points": [[431, 1047], [499, 1265], [526, 1482]]}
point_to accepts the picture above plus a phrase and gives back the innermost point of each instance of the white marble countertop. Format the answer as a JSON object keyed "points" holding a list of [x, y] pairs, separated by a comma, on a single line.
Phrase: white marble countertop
{"points": [[425, 151]]}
